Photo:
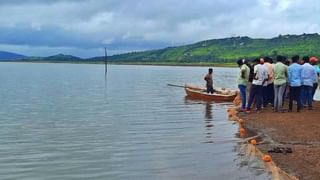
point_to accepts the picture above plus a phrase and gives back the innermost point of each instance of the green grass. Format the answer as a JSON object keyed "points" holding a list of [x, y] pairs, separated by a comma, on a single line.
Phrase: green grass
{"points": [[228, 50]]}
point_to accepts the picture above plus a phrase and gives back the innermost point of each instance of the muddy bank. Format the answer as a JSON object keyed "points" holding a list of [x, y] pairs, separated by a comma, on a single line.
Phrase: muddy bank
{"points": [[298, 131]]}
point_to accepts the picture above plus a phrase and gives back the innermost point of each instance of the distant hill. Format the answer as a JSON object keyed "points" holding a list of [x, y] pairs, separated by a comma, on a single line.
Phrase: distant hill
{"points": [[8, 56], [62, 57], [226, 50], [208, 51]]}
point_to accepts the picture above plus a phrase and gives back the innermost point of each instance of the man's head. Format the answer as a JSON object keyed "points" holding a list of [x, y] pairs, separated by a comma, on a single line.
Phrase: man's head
{"points": [[256, 61], [295, 59], [305, 59], [240, 62], [280, 58], [268, 59], [313, 60], [262, 61], [210, 70]]}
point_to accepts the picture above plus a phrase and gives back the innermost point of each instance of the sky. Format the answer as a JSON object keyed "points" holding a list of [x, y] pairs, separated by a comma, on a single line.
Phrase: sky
{"points": [[84, 27]]}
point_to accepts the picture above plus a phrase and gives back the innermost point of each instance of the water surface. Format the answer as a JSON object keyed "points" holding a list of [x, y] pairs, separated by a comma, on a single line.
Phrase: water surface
{"points": [[66, 121]]}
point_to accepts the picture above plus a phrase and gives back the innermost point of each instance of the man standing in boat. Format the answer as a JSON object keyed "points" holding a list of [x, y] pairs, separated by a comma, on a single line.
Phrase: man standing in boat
{"points": [[208, 79]]}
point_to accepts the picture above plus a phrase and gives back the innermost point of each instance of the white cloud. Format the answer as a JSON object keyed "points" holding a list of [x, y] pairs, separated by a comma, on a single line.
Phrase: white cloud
{"points": [[88, 25]]}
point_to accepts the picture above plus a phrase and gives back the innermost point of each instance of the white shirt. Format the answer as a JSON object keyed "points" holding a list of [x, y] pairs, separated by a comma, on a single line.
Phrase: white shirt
{"points": [[261, 74]]}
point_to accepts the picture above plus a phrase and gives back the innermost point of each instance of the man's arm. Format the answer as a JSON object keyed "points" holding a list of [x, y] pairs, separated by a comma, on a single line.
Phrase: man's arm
{"points": [[255, 70], [243, 72]]}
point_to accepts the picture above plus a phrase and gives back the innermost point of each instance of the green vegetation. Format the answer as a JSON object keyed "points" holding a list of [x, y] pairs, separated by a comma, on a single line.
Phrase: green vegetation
{"points": [[210, 52], [226, 50]]}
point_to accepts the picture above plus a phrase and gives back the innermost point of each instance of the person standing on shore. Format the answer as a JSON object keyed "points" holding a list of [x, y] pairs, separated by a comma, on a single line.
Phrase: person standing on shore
{"points": [[251, 74], [268, 91], [295, 82], [314, 63], [243, 79], [259, 78], [280, 72], [208, 79], [309, 77], [303, 99]]}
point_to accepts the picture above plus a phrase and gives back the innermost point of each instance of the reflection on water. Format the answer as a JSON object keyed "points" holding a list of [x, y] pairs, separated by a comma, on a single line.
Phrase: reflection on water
{"points": [[208, 111], [208, 116], [213, 127], [208, 122]]}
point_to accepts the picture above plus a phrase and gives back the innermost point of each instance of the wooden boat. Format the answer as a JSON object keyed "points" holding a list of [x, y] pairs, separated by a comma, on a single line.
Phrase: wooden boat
{"points": [[201, 94]]}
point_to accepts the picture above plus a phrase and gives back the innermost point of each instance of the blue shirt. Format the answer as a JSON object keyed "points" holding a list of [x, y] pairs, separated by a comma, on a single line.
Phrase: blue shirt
{"points": [[309, 75], [294, 75], [316, 67]]}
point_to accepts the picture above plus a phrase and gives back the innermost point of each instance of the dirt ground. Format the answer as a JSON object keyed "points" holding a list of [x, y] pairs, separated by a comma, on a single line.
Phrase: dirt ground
{"points": [[299, 131]]}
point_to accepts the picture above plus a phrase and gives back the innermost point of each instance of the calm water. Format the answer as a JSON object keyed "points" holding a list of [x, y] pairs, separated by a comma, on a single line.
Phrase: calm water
{"points": [[65, 121]]}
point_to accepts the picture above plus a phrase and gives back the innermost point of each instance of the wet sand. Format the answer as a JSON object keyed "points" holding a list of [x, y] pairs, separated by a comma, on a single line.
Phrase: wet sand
{"points": [[299, 131]]}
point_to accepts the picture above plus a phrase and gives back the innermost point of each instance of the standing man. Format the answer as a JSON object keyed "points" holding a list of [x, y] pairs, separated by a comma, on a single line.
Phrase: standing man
{"points": [[242, 81], [251, 74], [260, 76], [208, 79], [280, 72], [268, 91], [309, 77], [295, 82], [314, 63]]}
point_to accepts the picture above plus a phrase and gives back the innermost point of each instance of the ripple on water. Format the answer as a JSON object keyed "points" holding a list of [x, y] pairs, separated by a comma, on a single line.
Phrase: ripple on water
{"points": [[72, 124]]}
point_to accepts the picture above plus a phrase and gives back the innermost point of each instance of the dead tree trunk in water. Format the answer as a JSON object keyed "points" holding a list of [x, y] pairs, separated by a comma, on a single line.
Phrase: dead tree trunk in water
{"points": [[105, 62]]}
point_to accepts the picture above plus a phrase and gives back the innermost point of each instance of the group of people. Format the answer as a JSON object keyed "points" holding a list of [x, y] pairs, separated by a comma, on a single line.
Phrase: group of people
{"points": [[262, 82]]}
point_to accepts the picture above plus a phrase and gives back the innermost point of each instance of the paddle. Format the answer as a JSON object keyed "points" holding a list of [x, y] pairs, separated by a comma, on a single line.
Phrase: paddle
{"points": [[174, 85]]}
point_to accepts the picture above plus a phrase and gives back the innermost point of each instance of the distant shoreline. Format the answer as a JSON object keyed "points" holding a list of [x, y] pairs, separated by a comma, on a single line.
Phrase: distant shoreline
{"points": [[138, 63], [181, 64]]}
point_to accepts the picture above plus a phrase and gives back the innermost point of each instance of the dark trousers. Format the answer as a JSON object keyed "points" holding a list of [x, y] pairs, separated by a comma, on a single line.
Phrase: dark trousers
{"points": [[210, 89], [306, 95], [255, 93], [268, 94], [295, 95]]}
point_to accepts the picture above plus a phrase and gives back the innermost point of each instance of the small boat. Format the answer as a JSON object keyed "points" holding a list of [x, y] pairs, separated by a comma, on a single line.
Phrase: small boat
{"points": [[201, 94]]}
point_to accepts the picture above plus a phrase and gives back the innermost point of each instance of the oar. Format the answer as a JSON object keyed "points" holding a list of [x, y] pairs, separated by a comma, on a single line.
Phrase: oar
{"points": [[174, 85]]}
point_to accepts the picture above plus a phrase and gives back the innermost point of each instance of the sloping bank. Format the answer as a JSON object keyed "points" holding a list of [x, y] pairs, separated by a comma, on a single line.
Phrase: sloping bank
{"points": [[280, 133]]}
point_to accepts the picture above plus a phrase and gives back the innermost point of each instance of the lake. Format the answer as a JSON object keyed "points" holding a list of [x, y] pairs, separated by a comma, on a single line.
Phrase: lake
{"points": [[67, 121]]}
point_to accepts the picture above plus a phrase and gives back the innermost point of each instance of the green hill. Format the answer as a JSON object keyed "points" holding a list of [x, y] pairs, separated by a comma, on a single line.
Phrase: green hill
{"points": [[225, 50], [55, 58], [206, 52], [62, 57]]}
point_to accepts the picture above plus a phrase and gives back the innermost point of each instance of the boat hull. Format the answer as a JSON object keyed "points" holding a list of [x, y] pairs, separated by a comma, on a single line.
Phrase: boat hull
{"points": [[202, 95]]}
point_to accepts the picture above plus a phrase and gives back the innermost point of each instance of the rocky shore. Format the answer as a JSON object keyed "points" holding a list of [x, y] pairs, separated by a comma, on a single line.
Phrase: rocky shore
{"points": [[292, 139]]}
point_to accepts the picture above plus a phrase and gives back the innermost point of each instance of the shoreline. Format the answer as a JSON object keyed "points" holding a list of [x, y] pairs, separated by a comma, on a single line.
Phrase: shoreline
{"points": [[298, 131], [231, 65]]}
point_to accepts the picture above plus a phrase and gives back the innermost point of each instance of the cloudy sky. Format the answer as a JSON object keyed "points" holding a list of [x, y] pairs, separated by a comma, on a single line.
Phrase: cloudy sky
{"points": [[83, 27]]}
